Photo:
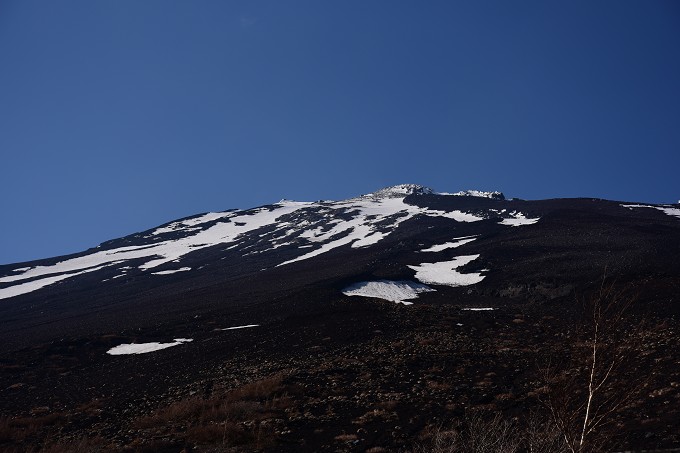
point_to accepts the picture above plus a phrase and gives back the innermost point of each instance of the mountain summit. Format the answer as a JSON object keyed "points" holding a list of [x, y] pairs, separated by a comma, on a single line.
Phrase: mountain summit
{"points": [[400, 191], [477, 193]]}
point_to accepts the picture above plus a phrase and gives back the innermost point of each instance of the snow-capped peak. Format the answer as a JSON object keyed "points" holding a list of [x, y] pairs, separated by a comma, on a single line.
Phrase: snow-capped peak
{"points": [[478, 193], [400, 191], [293, 226]]}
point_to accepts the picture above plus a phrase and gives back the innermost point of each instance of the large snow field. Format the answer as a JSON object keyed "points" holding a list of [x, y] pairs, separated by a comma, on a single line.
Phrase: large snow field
{"points": [[373, 219]]}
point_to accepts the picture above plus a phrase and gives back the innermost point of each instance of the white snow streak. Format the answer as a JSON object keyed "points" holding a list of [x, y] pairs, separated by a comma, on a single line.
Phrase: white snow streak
{"points": [[449, 245], [675, 212], [241, 327], [173, 271], [34, 285]]}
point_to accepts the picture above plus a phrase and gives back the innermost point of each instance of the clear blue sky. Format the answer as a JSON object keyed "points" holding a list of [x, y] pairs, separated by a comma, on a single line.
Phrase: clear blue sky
{"points": [[116, 116]]}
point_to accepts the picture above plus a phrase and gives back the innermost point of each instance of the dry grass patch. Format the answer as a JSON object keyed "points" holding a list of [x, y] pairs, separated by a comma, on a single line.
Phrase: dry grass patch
{"points": [[226, 433], [229, 418], [21, 428]]}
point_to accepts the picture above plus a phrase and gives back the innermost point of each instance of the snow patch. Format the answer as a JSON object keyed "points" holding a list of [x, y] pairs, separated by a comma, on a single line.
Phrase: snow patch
{"points": [[395, 291], [445, 273], [675, 212], [143, 348], [478, 309], [458, 216], [519, 219]]}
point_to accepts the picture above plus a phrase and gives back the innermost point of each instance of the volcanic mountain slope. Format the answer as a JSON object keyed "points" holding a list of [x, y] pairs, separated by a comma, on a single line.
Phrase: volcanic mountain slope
{"points": [[302, 296]]}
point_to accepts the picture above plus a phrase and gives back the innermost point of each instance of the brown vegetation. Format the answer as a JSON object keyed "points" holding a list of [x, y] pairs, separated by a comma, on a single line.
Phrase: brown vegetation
{"points": [[228, 418]]}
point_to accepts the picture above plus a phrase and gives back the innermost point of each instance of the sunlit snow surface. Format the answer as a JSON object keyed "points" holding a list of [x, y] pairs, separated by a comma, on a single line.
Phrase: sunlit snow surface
{"points": [[395, 291], [518, 219], [675, 212], [143, 348], [445, 273], [457, 242], [310, 228], [31, 286], [367, 213]]}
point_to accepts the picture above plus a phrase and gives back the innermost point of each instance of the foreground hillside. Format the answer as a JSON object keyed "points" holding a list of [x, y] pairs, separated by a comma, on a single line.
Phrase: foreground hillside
{"points": [[388, 322]]}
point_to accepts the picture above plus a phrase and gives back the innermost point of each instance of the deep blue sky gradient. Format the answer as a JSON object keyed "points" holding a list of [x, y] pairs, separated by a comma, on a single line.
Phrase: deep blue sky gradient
{"points": [[117, 116]]}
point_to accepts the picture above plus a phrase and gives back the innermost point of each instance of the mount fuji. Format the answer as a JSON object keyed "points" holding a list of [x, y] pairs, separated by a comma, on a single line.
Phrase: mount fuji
{"points": [[396, 306]]}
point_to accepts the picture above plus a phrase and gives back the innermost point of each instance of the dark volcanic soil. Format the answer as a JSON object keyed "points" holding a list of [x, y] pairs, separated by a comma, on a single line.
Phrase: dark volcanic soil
{"points": [[355, 376]]}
